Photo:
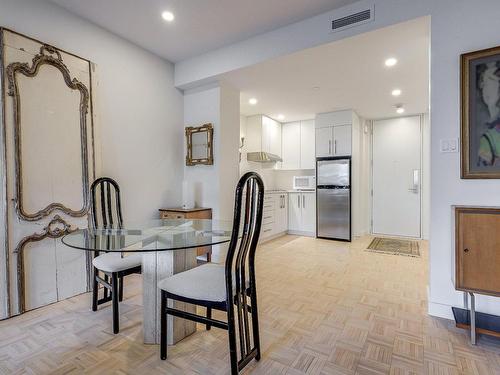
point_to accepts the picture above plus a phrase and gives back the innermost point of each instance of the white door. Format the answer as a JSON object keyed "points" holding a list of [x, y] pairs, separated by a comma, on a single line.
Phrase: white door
{"points": [[294, 211], [324, 141], [308, 212], [291, 145], [342, 140], [307, 155], [396, 176]]}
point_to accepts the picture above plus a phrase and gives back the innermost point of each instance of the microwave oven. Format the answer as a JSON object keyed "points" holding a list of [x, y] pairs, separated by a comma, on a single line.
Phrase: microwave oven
{"points": [[304, 182]]}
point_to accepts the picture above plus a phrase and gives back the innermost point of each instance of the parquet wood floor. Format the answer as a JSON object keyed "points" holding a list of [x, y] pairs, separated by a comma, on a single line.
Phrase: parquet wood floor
{"points": [[325, 308]]}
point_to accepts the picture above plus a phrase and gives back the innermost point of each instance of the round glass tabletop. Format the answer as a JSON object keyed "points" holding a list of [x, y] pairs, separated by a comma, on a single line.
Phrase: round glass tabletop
{"points": [[155, 235]]}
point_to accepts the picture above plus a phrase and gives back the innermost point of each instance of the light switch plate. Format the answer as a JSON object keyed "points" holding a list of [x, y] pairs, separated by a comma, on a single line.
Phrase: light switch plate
{"points": [[448, 145]]}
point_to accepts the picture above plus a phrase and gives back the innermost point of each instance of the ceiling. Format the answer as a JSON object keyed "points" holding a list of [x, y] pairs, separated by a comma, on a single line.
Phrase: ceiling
{"points": [[199, 25], [349, 73]]}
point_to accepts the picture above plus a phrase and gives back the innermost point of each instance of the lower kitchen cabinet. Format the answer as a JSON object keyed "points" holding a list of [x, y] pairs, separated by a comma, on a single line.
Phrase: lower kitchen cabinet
{"points": [[302, 213], [274, 216]]}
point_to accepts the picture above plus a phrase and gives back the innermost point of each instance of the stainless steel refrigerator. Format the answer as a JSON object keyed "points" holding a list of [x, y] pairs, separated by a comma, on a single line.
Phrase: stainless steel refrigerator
{"points": [[333, 205]]}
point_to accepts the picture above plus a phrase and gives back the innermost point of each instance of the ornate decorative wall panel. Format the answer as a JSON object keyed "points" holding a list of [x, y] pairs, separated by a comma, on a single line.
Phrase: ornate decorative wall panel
{"points": [[48, 149]]}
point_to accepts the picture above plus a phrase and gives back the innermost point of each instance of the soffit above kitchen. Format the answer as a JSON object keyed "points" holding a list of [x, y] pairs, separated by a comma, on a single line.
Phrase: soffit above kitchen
{"points": [[346, 74], [199, 25]]}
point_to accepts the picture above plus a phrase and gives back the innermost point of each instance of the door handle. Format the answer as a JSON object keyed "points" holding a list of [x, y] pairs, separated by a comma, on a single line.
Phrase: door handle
{"points": [[415, 175]]}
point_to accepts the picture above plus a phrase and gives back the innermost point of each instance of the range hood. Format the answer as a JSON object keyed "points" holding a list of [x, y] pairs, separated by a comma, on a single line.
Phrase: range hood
{"points": [[263, 157]]}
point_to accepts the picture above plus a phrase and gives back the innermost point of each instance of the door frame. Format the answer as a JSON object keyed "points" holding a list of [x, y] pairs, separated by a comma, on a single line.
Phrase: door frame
{"points": [[421, 117]]}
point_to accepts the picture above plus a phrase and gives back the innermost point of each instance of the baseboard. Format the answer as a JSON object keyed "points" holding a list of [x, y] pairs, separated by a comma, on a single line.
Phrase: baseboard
{"points": [[300, 233], [440, 310]]}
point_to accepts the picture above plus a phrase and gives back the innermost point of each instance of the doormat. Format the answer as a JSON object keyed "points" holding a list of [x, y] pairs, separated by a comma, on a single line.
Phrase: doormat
{"points": [[394, 246]]}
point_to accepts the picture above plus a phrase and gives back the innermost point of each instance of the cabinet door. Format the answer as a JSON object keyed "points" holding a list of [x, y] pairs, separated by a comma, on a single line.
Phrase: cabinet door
{"points": [[294, 211], [478, 242], [307, 155], [291, 145], [324, 141], [283, 214], [342, 140], [308, 201]]}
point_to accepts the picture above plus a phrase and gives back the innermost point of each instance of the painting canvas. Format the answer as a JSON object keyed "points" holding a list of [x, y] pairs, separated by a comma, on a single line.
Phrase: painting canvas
{"points": [[480, 96]]}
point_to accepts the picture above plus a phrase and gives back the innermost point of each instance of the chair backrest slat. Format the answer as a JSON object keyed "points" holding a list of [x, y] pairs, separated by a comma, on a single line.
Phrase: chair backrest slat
{"points": [[106, 212], [240, 261]]}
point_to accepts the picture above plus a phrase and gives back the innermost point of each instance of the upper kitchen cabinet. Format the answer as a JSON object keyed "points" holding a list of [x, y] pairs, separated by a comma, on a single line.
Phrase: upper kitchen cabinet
{"points": [[263, 139], [334, 133], [298, 145]]}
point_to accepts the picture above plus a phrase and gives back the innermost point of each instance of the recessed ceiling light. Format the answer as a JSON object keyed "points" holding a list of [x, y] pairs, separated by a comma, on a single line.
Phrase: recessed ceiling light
{"points": [[396, 92], [168, 16], [252, 101], [281, 117], [391, 61]]}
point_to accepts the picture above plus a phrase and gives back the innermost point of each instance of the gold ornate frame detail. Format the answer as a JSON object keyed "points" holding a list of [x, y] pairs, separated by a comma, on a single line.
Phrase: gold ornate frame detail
{"points": [[52, 230], [209, 159], [48, 56]]}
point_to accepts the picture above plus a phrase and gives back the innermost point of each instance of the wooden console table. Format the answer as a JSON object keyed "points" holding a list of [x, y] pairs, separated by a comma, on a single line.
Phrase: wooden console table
{"points": [[191, 213], [477, 256]]}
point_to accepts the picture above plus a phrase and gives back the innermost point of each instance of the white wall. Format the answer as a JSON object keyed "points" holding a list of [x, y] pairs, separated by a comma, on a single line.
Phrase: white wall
{"points": [[215, 184], [139, 110], [457, 26]]}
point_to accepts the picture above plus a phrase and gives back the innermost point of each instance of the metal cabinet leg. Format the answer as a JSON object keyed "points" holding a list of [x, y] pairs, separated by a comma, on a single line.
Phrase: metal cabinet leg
{"points": [[466, 301], [472, 319]]}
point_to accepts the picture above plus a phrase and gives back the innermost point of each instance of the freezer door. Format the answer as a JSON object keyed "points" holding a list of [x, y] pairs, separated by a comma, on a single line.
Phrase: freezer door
{"points": [[333, 172], [334, 213]]}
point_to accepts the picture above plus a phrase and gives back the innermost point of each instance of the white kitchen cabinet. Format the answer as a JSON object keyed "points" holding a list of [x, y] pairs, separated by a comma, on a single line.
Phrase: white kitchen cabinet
{"points": [[281, 210], [291, 144], [263, 134], [333, 141], [307, 155], [274, 215], [302, 213], [334, 133], [298, 145], [342, 135], [294, 212], [309, 212], [324, 141]]}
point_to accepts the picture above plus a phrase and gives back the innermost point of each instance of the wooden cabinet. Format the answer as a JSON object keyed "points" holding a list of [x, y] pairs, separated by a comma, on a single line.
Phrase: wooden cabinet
{"points": [[298, 145], [477, 250], [302, 213], [193, 213]]}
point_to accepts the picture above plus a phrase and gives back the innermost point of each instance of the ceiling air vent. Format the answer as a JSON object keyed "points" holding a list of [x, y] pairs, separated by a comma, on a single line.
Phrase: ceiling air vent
{"points": [[351, 20]]}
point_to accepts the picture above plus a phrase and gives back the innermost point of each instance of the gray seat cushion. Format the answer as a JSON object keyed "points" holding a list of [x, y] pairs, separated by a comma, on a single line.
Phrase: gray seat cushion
{"points": [[206, 283], [113, 262]]}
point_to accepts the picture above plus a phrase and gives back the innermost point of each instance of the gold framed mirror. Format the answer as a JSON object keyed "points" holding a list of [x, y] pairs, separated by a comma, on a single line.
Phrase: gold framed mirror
{"points": [[199, 142]]}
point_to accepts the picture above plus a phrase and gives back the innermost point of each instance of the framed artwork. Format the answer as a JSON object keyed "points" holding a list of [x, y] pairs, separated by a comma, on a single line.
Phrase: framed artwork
{"points": [[480, 117], [199, 145]]}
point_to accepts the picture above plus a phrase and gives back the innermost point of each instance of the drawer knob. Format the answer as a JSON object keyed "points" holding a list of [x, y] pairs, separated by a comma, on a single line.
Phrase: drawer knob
{"points": [[466, 250]]}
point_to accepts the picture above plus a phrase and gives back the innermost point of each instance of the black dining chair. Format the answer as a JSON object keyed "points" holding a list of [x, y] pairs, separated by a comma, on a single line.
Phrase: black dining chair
{"points": [[231, 287], [106, 213]]}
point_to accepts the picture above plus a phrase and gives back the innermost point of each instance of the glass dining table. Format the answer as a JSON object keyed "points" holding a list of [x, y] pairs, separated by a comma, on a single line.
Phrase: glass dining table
{"points": [[167, 246]]}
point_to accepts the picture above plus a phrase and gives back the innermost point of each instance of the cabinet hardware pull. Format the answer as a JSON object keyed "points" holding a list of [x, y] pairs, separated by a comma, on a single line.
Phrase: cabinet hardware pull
{"points": [[298, 201], [466, 250], [303, 201], [335, 147], [267, 230], [329, 147]]}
